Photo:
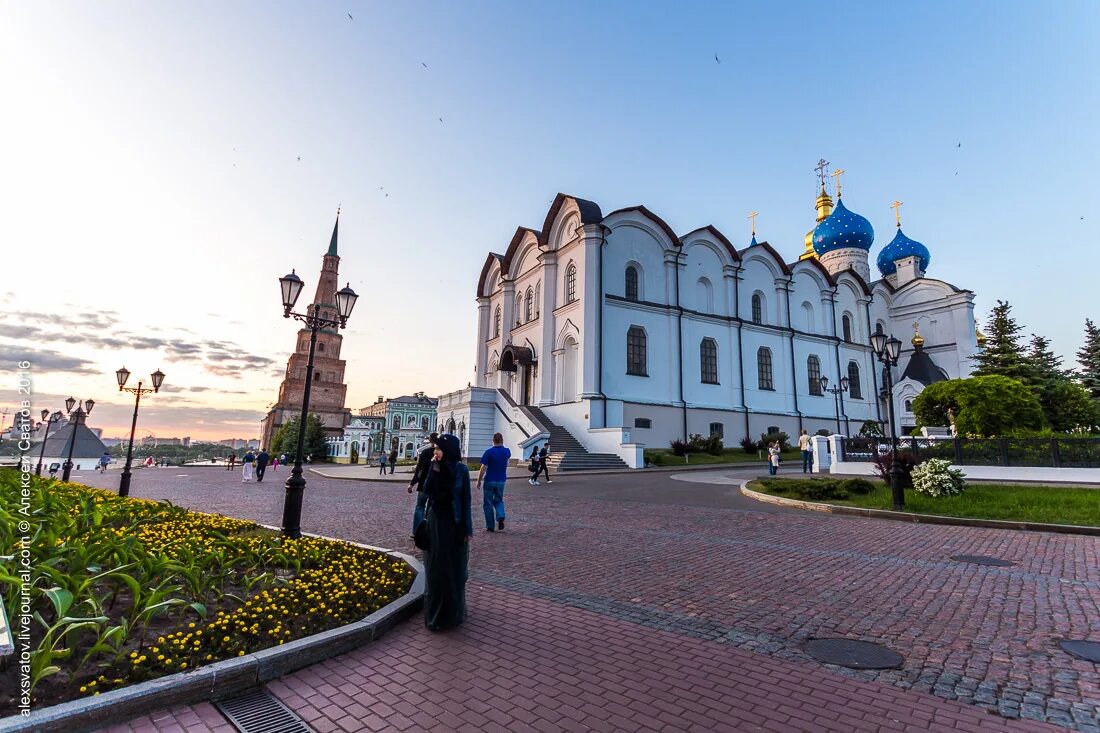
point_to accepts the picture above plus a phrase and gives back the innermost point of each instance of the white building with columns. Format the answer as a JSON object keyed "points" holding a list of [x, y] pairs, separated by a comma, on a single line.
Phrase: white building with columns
{"points": [[615, 331]]}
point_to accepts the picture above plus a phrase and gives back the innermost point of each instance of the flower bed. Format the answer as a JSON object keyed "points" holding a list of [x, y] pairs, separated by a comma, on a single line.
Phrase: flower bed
{"points": [[126, 590]]}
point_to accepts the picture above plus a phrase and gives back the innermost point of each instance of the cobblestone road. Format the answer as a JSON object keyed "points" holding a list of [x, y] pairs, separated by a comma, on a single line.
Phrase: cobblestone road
{"points": [[669, 605]]}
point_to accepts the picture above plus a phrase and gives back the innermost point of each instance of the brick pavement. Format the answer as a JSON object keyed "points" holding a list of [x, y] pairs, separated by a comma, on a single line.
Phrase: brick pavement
{"points": [[734, 584]]}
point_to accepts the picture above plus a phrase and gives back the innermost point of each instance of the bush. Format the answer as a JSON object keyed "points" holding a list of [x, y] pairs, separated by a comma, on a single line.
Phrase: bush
{"points": [[679, 447], [811, 489], [714, 445], [823, 433], [885, 461], [935, 477], [748, 445], [870, 429], [768, 438], [857, 486]]}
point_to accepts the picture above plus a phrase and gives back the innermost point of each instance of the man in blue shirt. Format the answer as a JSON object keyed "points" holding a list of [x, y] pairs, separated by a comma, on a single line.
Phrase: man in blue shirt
{"points": [[494, 470]]}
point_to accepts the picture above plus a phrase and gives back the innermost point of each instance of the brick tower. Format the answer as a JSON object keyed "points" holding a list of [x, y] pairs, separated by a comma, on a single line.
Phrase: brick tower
{"points": [[326, 398]]}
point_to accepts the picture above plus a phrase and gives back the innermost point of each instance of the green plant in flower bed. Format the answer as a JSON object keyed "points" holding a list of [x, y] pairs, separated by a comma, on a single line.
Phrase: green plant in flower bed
{"points": [[816, 489], [125, 590]]}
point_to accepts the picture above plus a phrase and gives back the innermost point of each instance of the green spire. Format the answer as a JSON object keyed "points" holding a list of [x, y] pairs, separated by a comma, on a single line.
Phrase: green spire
{"points": [[335, 229]]}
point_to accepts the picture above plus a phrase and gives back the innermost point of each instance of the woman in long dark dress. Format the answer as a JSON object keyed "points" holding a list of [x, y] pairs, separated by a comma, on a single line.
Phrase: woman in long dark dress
{"points": [[450, 526]]}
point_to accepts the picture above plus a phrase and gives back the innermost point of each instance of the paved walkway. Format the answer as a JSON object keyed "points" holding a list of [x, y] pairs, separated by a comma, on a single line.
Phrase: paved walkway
{"points": [[640, 602]]}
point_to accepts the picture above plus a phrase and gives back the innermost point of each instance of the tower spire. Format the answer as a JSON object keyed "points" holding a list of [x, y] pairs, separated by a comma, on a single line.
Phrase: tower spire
{"points": [[335, 230]]}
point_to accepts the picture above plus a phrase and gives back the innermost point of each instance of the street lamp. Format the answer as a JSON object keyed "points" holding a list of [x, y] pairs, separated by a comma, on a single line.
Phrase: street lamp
{"points": [[122, 375], [887, 350], [314, 319], [48, 420], [838, 401], [76, 417]]}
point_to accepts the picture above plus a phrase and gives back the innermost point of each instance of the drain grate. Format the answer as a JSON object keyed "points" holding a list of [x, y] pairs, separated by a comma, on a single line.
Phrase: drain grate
{"points": [[1082, 649], [260, 712], [853, 653], [995, 562]]}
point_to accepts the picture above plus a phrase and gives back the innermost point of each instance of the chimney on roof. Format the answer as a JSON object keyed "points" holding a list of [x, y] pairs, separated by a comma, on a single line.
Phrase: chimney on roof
{"points": [[380, 399]]}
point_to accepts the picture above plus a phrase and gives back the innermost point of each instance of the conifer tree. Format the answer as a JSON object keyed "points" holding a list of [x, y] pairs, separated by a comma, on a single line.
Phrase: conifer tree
{"points": [[1088, 356], [1045, 365], [1003, 354]]}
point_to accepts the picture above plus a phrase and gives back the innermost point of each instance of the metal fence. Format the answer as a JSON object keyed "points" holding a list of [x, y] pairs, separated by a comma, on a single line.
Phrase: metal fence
{"points": [[1029, 452]]}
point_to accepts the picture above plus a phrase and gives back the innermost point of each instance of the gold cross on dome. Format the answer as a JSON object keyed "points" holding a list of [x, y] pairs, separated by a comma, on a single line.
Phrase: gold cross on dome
{"points": [[836, 177], [896, 206], [752, 216], [821, 168]]}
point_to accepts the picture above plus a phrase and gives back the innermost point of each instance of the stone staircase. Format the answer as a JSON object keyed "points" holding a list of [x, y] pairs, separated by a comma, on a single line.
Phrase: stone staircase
{"points": [[566, 452]]}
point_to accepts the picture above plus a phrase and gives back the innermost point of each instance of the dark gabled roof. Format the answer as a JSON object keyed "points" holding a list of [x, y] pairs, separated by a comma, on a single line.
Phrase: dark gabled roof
{"points": [[87, 444], [922, 369], [813, 261], [652, 217], [859, 279], [770, 250], [590, 213], [415, 398], [489, 260], [513, 246], [717, 235]]}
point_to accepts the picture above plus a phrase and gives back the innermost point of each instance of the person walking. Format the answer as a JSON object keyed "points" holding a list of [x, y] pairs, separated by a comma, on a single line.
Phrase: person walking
{"points": [[393, 459], [534, 468], [420, 474], [104, 460], [773, 457], [275, 463], [382, 464], [544, 451], [261, 465], [231, 461], [449, 528], [805, 444], [247, 468], [494, 471]]}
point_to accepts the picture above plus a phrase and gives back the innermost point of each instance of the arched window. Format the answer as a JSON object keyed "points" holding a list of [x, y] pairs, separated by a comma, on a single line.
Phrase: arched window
{"points": [[846, 325], [855, 390], [757, 308], [879, 327], [909, 405], [631, 283], [529, 306], [519, 309], [708, 361], [570, 283], [321, 346], [813, 373], [706, 295], [764, 368], [424, 424], [538, 298], [496, 322], [636, 351], [412, 421], [316, 376], [396, 422], [808, 316]]}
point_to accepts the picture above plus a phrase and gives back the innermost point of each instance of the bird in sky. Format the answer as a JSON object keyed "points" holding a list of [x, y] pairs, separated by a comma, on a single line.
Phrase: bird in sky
{"points": [[440, 119], [959, 145], [423, 64], [716, 59], [299, 159], [956, 173], [349, 15]]}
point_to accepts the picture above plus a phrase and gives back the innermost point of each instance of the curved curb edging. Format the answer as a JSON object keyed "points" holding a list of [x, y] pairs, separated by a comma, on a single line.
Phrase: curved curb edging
{"points": [[225, 678], [917, 518]]}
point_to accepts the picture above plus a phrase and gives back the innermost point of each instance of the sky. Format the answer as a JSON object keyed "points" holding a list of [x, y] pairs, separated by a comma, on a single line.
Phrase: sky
{"points": [[165, 163]]}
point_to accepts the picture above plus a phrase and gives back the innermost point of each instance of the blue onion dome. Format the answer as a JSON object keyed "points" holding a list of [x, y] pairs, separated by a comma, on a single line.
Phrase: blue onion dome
{"points": [[843, 229], [902, 246]]}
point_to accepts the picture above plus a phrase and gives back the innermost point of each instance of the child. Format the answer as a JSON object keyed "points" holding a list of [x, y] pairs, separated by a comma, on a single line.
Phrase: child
{"points": [[534, 468]]}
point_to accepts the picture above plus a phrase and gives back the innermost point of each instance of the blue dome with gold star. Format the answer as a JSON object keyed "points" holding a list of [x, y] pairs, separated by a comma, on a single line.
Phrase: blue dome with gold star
{"points": [[843, 229], [902, 246]]}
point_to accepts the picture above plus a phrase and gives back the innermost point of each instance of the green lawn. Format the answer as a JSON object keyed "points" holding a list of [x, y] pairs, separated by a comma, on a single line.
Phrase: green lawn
{"points": [[664, 457], [1048, 504]]}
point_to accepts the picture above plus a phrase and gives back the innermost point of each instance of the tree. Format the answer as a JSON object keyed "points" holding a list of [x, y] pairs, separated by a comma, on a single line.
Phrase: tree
{"points": [[1002, 353], [1088, 356], [983, 406], [1067, 406], [286, 438]]}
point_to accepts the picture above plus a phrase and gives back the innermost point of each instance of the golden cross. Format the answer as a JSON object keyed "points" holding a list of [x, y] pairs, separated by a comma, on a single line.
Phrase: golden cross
{"points": [[752, 215], [822, 166], [896, 206], [836, 175]]}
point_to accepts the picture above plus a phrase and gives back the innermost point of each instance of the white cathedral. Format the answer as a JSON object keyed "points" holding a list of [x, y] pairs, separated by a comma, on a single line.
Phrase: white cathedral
{"points": [[610, 333]]}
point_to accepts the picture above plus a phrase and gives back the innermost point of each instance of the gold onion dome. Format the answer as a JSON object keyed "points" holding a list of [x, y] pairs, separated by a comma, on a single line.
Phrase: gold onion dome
{"points": [[917, 340], [824, 206]]}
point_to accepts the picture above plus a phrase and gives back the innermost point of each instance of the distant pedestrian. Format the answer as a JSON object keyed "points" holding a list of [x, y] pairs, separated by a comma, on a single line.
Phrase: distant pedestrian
{"points": [[534, 467], [494, 470], [805, 444], [449, 528], [104, 460], [773, 457], [544, 451], [247, 467], [282, 458], [420, 474], [231, 461], [393, 459], [261, 465], [382, 463], [275, 463]]}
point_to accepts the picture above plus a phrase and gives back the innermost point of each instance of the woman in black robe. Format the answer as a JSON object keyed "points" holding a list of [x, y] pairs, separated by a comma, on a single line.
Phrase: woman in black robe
{"points": [[450, 526]]}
